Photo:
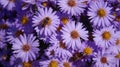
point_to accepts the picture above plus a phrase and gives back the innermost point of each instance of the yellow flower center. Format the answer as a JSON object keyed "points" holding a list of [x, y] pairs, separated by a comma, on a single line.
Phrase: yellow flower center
{"points": [[62, 45], [24, 20], [106, 35], [71, 3], [103, 60], [44, 4], [74, 34], [118, 41], [87, 50], [118, 55], [64, 20], [101, 12], [53, 63], [27, 64], [66, 64], [18, 33], [26, 47], [46, 21]]}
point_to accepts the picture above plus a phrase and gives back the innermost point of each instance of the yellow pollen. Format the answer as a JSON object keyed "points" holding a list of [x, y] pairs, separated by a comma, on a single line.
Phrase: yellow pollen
{"points": [[18, 33], [44, 4], [101, 12], [87, 50], [71, 3], [26, 47], [24, 20], [64, 20], [62, 45], [118, 55], [106, 35], [53, 63], [103, 60], [66, 64], [117, 41], [27, 64], [74, 34], [46, 21]]}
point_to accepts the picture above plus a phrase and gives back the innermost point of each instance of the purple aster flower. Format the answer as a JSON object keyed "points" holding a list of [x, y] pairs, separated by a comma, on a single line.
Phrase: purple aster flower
{"points": [[5, 24], [26, 47], [72, 7], [61, 51], [100, 13], [46, 22], [105, 37], [116, 21], [25, 21], [50, 52], [104, 60], [15, 30], [73, 34], [116, 47]]}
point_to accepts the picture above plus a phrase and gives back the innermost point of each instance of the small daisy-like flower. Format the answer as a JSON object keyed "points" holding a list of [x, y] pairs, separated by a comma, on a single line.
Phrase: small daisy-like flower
{"points": [[117, 19], [26, 47], [104, 60], [2, 38], [46, 22], [72, 7], [116, 47], [50, 52], [100, 14], [15, 30], [104, 37], [25, 21], [73, 34], [4, 25], [60, 51], [50, 63], [9, 4]]}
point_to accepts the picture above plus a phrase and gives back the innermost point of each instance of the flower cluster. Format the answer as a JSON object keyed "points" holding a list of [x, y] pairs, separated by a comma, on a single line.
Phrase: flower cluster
{"points": [[59, 33]]}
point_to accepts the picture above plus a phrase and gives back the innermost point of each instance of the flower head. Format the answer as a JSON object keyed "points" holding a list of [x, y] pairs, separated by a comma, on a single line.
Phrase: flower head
{"points": [[104, 37], [26, 47], [100, 14], [46, 22], [73, 34], [72, 7]]}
